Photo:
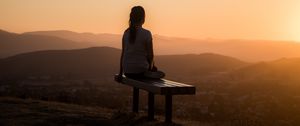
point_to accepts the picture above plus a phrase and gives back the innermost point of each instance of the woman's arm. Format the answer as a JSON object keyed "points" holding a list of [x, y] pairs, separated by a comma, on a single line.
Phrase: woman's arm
{"points": [[121, 59], [120, 75], [150, 55]]}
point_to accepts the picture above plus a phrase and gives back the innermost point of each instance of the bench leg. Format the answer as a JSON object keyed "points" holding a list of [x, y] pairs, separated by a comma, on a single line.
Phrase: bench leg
{"points": [[135, 107], [150, 106], [168, 109]]}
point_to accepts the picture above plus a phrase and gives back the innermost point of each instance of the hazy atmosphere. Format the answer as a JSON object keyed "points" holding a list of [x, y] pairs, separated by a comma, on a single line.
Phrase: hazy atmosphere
{"points": [[219, 19]]}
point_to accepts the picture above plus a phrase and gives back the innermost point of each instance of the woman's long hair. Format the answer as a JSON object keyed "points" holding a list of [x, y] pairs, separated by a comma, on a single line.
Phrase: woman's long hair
{"points": [[137, 18]]}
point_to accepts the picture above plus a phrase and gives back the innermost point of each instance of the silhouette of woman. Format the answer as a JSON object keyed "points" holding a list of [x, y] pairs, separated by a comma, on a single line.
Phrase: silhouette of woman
{"points": [[137, 49]]}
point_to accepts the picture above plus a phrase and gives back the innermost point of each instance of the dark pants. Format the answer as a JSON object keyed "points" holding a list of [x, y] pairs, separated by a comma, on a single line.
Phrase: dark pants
{"points": [[135, 76]]}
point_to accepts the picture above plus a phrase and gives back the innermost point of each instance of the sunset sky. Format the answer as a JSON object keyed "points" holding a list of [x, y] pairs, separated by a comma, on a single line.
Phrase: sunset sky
{"points": [[200, 19]]}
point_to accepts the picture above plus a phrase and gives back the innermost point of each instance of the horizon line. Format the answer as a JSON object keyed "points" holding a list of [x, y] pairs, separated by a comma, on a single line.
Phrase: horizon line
{"points": [[167, 36]]}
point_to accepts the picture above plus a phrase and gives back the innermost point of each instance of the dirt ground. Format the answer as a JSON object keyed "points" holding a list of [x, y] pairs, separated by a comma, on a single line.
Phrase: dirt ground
{"points": [[28, 112]]}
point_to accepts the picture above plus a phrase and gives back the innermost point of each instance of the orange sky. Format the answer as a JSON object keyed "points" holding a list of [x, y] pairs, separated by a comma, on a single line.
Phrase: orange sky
{"points": [[220, 19]]}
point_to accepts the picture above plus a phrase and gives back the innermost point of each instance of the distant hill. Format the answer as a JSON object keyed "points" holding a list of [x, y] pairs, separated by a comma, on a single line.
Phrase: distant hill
{"points": [[192, 66], [91, 62], [247, 50], [280, 78], [12, 43], [282, 70], [111, 40], [98, 62]]}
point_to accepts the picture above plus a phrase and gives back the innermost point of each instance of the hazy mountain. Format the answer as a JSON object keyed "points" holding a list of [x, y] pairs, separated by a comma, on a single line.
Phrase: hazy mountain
{"points": [[98, 62], [12, 43], [194, 67], [284, 71], [248, 50], [83, 62], [111, 40]]}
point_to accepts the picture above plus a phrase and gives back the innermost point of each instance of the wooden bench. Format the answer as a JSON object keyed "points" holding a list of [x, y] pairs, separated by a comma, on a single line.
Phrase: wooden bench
{"points": [[157, 86]]}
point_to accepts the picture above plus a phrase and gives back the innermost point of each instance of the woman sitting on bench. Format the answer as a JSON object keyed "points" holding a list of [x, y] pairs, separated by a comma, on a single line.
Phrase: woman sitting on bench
{"points": [[137, 49]]}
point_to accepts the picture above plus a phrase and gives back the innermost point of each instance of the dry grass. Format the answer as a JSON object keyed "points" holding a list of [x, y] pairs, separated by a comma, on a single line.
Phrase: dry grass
{"points": [[29, 112], [16, 112]]}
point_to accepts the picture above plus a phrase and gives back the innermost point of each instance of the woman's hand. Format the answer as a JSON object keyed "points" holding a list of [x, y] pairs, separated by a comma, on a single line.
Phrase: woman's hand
{"points": [[119, 78], [154, 68]]}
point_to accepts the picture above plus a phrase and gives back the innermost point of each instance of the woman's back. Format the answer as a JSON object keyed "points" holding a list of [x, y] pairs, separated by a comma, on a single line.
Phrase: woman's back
{"points": [[136, 52]]}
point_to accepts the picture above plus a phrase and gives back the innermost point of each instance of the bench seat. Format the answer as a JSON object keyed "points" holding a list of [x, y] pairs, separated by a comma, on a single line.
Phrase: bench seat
{"points": [[161, 86]]}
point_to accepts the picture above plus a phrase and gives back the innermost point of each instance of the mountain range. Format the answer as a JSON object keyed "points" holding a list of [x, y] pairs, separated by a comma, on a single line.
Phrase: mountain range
{"points": [[247, 50], [12, 43], [102, 62], [206, 68]]}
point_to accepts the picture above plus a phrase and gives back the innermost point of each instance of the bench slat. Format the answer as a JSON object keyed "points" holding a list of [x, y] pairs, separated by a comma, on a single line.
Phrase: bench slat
{"points": [[161, 86], [166, 83]]}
